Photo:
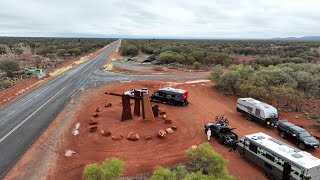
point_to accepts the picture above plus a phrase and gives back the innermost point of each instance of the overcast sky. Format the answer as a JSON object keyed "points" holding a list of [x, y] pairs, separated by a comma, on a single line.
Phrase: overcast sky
{"points": [[160, 18]]}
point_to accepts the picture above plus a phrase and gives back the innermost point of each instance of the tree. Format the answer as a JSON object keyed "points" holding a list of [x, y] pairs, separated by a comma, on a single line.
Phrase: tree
{"points": [[199, 176], [129, 50], [163, 174], [2, 49], [9, 67], [181, 171], [306, 82], [217, 71], [228, 81], [61, 52]]}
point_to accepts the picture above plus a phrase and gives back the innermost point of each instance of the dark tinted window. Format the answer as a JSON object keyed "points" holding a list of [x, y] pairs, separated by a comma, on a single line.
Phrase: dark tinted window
{"points": [[253, 148], [270, 157]]}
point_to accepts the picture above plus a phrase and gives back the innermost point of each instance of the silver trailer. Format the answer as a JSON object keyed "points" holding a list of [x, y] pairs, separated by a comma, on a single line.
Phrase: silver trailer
{"points": [[258, 111], [279, 160]]}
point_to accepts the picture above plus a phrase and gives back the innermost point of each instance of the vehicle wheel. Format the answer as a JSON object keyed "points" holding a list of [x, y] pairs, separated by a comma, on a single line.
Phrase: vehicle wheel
{"points": [[248, 118], [220, 140], [282, 135], [302, 146], [267, 174]]}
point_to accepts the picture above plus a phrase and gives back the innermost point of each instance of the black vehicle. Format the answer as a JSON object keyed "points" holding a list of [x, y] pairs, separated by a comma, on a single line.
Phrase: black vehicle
{"points": [[222, 132], [297, 134], [170, 96]]}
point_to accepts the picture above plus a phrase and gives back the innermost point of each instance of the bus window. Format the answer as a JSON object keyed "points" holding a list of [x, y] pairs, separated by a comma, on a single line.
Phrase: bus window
{"points": [[253, 148]]}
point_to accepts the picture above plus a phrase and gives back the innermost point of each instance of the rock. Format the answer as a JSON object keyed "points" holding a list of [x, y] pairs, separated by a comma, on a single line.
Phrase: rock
{"points": [[117, 137], [167, 121], [162, 111], [164, 117], [169, 131], [93, 121], [97, 109], [93, 128], [162, 133], [105, 133], [95, 115], [174, 127], [77, 126], [149, 137], [75, 132], [133, 136], [69, 153], [194, 147], [108, 105], [297, 117]]}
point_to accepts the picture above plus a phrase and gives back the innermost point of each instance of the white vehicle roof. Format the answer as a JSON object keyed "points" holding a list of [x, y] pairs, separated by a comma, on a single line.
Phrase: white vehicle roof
{"points": [[266, 108], [172, 90], [302, 158]]}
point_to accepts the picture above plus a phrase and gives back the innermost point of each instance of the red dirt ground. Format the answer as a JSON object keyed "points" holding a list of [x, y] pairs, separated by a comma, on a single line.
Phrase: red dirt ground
{"points": [[143, 156]]}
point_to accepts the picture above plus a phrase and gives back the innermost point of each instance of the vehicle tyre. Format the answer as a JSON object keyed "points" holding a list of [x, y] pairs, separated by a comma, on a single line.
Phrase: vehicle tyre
{"points": [[282, 135], [220, 140], [267, 174], [248, 117], [302, 146]]}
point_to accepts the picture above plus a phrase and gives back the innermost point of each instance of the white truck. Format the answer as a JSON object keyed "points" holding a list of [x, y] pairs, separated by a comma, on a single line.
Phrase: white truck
{"points": [[278, 159], [255, 110]]}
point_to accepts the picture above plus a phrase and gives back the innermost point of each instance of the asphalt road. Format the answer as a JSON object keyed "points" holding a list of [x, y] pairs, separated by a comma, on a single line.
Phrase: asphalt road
{"points": [[23, 120]]}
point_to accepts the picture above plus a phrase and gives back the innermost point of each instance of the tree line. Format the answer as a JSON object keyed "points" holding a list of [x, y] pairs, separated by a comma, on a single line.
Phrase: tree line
{"points": [[288, 82], [209, 52]]}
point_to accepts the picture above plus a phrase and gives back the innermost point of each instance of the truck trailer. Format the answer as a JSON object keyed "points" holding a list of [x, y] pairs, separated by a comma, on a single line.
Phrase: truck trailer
{"points": [[255, 110], [278, 159]]}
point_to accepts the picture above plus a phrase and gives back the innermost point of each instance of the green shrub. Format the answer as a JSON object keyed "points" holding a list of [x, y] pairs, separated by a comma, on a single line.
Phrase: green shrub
{"points": [[163, 174], [92, 172], [109, 169], [9, 67], [196, 65], [112, 168], [6, 84], [204, 159]]}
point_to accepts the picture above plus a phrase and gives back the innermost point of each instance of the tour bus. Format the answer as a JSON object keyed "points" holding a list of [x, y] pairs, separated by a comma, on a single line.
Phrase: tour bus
{"points": [[279, 160]]}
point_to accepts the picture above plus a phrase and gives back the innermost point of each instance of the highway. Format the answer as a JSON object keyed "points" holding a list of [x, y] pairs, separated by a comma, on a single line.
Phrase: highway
{"points": [[23, 120]]}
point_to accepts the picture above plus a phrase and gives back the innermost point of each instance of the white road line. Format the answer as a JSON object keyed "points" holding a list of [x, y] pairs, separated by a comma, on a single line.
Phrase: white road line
{"points": [[10, 113], [25, 120]]}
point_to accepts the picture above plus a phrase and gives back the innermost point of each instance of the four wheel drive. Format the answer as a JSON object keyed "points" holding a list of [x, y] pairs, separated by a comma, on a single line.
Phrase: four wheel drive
{"points": [[221, 130], [297, 134], [170, 96], [131, 92]]}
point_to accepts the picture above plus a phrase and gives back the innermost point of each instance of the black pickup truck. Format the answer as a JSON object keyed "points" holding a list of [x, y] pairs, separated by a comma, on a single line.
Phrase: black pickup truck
{"points": [[297, 134], [222, 132]]}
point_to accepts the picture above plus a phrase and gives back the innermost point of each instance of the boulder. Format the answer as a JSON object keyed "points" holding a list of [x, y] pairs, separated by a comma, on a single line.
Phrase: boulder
{"points": [[117, 137], [169, 131], [97, 109], [133, 136], [174, 128], [148, 137], [93, 121], [164, 117], [69, 153], [162, 111], [105, 133], [168, 121], [108, 105], [93, 128], [161, 133], [95, 115]]}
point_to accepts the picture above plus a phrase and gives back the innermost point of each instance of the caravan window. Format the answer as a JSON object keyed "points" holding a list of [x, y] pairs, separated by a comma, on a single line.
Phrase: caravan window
{"points": [[270, 157], [257, 112], [161, 93], [253, 148]]}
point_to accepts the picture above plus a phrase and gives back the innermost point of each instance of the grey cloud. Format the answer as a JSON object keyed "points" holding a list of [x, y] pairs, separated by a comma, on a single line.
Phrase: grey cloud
{"points": [[166, 18]]}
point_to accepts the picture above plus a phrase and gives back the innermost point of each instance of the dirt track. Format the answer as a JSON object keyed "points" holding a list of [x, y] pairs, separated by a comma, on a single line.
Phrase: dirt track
{"points": [[143, 155]]}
